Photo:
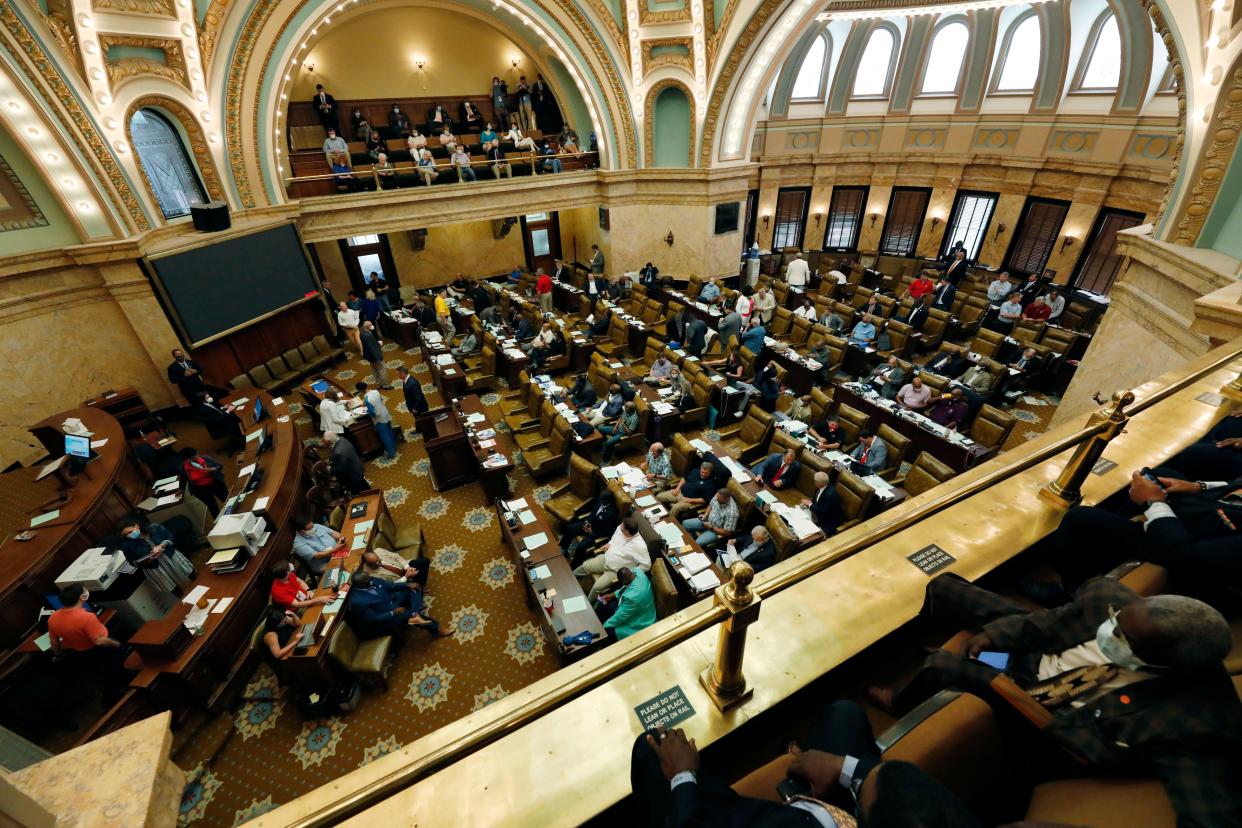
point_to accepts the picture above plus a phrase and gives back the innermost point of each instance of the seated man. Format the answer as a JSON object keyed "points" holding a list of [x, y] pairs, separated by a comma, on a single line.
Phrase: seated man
{"points": [[461, 160], [385, 171], [598, 524], [870, 451], [582, 395], [1217, 455], [822, 354], [426, 167], [221, 420], [887, 377], [780, 471], [658, 467], [863, 334], [692, 492], [631, 608], [914, 395], [807, 311], [718, 522], [799, 409], [291, 592], [1037, 311], [314, 544], [821, 505], [389, 566], [625, 426], [660, 371], [760, 553], [469, 344], [828, 434], [625, 548], [840, 751], [376, 608], [551, 164], [610, 409], [710, 290], [949, 410], [950, 362], [1134, 685]]}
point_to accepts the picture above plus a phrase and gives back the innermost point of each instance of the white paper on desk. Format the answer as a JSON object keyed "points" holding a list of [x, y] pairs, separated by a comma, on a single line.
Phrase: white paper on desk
{"points": [[695, 562], [193, 595], [512, 505], [260, 503], [575, 603], [536, 541], [700, 445], [99, 443], [254, 435], [527, 517], [221, 605], [495, 461], [197, 616], [147, 505], [44, 642], [164, 481], [242, 472], [704, 581], [167, 487], [45, 517], [334, 607], [239, 402], [360, 542], [487, 443], [168, 500], [645, 501], [444, 359], [283, 418], [671, 533], [540, 572], [476, 418], [278, 400]]}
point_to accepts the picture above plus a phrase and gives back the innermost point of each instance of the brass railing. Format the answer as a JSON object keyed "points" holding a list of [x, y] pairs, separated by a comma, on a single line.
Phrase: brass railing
{"points": [[726, 606]]}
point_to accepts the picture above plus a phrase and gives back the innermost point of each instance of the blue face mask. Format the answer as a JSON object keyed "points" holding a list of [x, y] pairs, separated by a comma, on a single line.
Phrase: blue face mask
{"points": [[134, 534]]}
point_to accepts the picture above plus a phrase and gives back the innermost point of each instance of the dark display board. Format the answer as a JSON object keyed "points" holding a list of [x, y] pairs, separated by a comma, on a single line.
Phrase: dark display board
{"points": [[220, 287]]}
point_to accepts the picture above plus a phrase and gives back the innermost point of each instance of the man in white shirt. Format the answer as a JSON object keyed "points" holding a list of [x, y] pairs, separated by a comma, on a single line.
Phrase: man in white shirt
{"points": [[798, 272], [334, 417], [807, 311], [378, 410], [1057, 302], [334, 144], [1000, 289], [348, 320], [625, 548]]}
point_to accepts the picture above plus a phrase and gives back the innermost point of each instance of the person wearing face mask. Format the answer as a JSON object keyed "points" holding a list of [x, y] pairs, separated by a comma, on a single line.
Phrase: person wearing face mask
{"points": [[315, 543], [289, 592], [149, 547], [77, 636], [279, 626], [1133, 685], [221, 420]]}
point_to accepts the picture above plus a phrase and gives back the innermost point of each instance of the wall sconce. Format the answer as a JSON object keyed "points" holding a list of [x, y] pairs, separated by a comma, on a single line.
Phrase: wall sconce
{"points": [[767, 217], [420, 62], [515, 61], [936, 220], [669, 238], [310, 67], [874, 216], [1000, 228], [1066, 242], [819, 217]]}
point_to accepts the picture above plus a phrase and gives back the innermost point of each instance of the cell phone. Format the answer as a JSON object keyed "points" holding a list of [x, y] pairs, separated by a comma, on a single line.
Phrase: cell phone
{"points": [[789, 788], [1000, 661], [1147, 473]]}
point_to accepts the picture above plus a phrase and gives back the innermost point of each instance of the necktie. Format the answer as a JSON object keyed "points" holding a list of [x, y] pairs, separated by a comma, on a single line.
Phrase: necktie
{"points": [[866, 451], [1072, 684]]}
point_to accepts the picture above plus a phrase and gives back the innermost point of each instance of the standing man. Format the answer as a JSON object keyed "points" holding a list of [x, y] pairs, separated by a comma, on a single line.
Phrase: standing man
{"points": [[75, 629], [543, 289], [597, 261], [348, 320], [221, 421], [526, 111], [541, 96], [373, 353], [500, 106], [944, 294], [381, 417], [345, 463], [956, 271], [412, 389], [325, 108], [186, 374], [444, 317], [798, 272]]}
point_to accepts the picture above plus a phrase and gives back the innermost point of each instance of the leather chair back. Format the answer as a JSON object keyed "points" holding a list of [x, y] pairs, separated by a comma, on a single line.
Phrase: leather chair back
{"points": [[852, 421], [747, 358], [986, 342], [780, 290], [745, 503], [992, 427], [862, 296], [799, 331], [972, 310], [855, 495], [262, 376], [756, 425], [488, 362], [583, 480], [1057, 340], [898, 446], [681, 452], [821, 401], [934, 328], [782, 318], [926, 473], [782, 441], [663, 590]]}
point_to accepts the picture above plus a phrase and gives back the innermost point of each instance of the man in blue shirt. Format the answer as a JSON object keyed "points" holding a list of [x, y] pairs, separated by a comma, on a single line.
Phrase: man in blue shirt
{"points": [[314, 544], [378, 608], [753, 337], [710, 291], [864, 333], [635, 604], [611, 408]]}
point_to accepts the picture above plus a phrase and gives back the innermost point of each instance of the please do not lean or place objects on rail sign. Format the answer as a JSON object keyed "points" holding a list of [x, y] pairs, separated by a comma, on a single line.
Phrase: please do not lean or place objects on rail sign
{"points": [[931, 559], [668, 708]]}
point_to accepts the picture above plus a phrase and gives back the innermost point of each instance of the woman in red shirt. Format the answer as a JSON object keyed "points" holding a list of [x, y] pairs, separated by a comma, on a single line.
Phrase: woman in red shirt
{"points": [[205, 478], [543, 287], [921, 286], [291, 592]]}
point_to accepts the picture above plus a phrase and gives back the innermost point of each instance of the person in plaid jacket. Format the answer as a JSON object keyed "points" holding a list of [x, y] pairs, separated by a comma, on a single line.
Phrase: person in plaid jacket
{"points": [[1162, 704]]}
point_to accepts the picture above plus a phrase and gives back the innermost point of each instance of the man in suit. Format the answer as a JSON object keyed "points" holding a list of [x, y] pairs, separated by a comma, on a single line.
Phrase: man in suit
{"points": [[780, 471], [221, 420], [942, 297], [345, 463], [760, 553], [820, 503], [729, 328], [870, 451], [373, 353], [187, 375], [956, 271], [840, 750], [541, 97], [1134, 685], [562, 271], [696, 333], [1217, 455], [950, 362], [325, 108], [481, 298], [675, 327], [437, 119], [378, 607], [593, 529], [398, 122], [597, 260], [917, 317], [887, 377], [1031, 288]]}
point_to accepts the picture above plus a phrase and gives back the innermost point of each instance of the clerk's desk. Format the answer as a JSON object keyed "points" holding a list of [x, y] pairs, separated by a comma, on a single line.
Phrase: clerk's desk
{"points": [[109, 487]]}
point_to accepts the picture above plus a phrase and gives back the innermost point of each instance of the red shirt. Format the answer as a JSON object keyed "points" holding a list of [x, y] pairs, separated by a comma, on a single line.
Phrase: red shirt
{"points": [[285, 592], [921, 287], [198, 471], [76, 627], [544, 284], [1039, 313]]}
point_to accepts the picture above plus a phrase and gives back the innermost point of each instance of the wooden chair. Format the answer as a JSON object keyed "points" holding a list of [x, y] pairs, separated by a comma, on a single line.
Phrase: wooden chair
{"points": [[361, 657], [527, 418], [898, 446], [573, 497], [925, 473]]}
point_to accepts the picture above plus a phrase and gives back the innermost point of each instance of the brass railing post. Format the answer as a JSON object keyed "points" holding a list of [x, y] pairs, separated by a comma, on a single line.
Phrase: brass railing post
{"points": [[724, 681], [1066, 490], [1233, 389]]}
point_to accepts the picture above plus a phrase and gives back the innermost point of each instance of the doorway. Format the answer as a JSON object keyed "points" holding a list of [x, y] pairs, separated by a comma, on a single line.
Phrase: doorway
{"points": [[368, 258], [541, 238]]}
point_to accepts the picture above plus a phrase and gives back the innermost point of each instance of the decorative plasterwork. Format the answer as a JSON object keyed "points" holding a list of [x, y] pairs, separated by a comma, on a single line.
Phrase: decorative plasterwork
{"points": [[163, 8], [725, 79], [19, 212], [651, 61], [129, 68], [193, 131], [647, 17], [210, 30], [648, 122], [74, 122], [1175, 65], [59, 20]]}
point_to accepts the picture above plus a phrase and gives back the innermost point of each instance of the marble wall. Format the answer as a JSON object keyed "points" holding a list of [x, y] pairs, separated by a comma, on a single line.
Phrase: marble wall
{"points": [[467, 248]]}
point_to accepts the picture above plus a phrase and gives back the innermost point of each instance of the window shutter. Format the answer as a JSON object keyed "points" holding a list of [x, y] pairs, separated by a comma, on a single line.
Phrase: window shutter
{"points": [[905, 218], [845, 218], [1099, 265], [1035, 238]]}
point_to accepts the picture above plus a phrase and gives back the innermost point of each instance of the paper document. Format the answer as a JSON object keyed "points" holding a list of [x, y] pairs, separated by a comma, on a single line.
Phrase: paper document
{"points": [[527, 518], [536, 541], [260, 503], [360, 541], [512, 505], [334, 607], [704, 581], [168, 500], [671, 533], [45, 517], [695, 562], [363, 526], [575, 603], [221, 605], [99, 443], [240, 402], [278, 400], [44, 642], [245, 470], [700, 445], [645, 501], [164, 481], [477, 418], [540, 572], [193, 595]]}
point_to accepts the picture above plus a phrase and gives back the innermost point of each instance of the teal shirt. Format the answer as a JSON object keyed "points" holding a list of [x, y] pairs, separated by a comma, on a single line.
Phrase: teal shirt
{"points": [[486, 135], [635, 607]]}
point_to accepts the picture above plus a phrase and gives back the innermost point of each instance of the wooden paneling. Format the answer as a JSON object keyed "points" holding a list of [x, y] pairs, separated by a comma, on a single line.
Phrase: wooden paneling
{"points": [[255, 344], [301, 113]]}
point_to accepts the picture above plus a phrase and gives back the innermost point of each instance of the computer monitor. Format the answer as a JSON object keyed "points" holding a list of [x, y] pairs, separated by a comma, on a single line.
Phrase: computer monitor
{"points": [[78, 446], [259, 413]]}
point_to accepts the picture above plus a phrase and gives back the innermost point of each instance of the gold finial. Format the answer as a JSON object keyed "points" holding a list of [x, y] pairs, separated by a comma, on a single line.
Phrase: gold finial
{"points": [[741, 574]]}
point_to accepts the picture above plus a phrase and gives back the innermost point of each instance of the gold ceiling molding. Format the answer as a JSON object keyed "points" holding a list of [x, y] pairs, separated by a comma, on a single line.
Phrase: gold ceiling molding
{"points": [[647, 17], [126, 69], [1224, 133], [164, 8], [213, 20], [59, 20], [713, 42], [649, 121], [19, 211], [193, 131], [652, 62], [736, 53], [74, 122]]}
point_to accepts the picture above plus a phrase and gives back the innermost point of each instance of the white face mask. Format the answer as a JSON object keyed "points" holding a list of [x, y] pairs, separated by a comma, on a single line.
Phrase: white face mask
{"points": [[1115, 649]]}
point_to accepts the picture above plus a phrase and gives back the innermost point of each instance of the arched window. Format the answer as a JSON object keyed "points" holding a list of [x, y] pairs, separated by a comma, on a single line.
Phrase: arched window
{"points": [[809, 84], [165, 163], [1102, 56], [876, 65], [1020, 56], [944, 62]]}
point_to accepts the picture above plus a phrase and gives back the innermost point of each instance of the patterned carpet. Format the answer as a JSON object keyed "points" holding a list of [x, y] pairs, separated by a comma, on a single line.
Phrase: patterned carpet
{"points": [[274, 755]]}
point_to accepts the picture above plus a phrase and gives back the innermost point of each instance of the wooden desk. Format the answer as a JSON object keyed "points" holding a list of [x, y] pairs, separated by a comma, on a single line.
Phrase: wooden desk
{"points": [[508, 365], [404, 333], [212, 669], [312, 667], [361, 430], [454, 454], [559, 578], [495, 479], [450, 377], [125, 404]]}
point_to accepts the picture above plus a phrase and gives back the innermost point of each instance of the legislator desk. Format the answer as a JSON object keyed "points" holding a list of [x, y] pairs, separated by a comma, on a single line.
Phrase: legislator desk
{"points": [[799, 376], [361, 431], [957, 455], [400, 327], [108, 488], [448, 375], [211, 670], [660, 427], [511, 361], [457, 455], [311, 667], [557, 583], [636, 330], [128, 407]]}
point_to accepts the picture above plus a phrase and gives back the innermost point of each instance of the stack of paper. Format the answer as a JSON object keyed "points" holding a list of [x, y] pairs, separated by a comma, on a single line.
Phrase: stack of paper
{"points": [[535, 541], [704, 581], [700, 445], [671, 533], [514, 505], [695, 562], [799, 520]]}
